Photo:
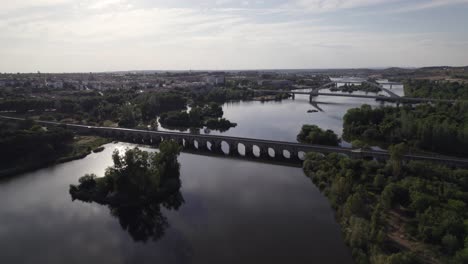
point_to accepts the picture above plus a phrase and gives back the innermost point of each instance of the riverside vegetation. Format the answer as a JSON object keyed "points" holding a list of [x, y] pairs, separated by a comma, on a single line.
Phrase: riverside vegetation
{"points": [[209, 115], [441, 128], [436, 89], [119, 108], [135, 187], [364, 87], [27, 146], [396, 212], [312, 134]]}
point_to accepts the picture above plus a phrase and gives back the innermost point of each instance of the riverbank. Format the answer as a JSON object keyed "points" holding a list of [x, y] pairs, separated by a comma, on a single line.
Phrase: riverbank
{"points": [[266, 98], [81, 147], [385, 214]]}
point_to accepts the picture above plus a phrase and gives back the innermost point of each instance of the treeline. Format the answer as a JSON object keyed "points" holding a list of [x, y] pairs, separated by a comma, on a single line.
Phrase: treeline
{"points": [[124, 108], [155, 104], [436, 89], [394, 212], [441, 128], [209, 115], [312, 134], [28, 144], [364, 87], [222, 95], [24, 105]]}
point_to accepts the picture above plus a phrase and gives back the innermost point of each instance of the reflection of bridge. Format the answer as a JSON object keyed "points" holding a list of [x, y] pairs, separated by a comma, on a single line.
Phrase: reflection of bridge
{"points": [[391, 98], [213, 144]]}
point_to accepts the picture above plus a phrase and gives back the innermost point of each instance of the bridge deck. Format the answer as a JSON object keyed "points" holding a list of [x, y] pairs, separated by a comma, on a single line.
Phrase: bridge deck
{"points": [[261, 143]]}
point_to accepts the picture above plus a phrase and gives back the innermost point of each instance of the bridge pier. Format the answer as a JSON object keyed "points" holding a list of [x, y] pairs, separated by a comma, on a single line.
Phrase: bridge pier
{"points": [[202, 145], [248, 150], [279, 155], [216, 147], [294, 156], [264, 152], [189, 144], [155, 140], [233, 149]]}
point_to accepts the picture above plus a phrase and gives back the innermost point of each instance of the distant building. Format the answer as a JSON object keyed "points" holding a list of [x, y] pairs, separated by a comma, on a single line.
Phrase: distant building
{"points": [[215, 79], [57, 85]]}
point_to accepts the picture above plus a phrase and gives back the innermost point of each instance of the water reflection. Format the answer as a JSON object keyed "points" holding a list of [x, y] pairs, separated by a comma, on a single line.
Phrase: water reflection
{"points": [[145, 222], [232, 211], [135, 192]]}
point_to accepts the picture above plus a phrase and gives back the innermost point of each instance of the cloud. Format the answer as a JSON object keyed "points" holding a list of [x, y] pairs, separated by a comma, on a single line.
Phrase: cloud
{"points": [[422, 5], [94, 35], [106, 3], [23, 4], [333, 5]]}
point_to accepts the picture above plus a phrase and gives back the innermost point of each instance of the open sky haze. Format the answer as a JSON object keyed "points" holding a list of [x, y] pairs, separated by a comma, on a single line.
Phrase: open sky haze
{"points": [[107, 35]]}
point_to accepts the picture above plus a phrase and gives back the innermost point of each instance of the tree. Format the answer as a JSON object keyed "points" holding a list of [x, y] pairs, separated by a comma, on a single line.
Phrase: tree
{"points": [[354, 206], [358, 236], [135, 175], [396, 157], [312, 134], [450, 243], [129, 116]]}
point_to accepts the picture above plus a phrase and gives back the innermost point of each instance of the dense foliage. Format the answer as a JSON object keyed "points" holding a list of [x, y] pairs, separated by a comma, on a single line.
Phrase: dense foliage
{"points": [[155, 104], [208, 115], [436, 89], [27, 144], [135, 187], [440, 128], [137, 177], [131, 108], [221, 95], [219, 124], [312, 134], [413, 217], [364, 87]]}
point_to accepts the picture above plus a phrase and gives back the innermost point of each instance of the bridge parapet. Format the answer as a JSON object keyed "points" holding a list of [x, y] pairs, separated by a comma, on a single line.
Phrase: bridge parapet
{"points": [[154, 137]]}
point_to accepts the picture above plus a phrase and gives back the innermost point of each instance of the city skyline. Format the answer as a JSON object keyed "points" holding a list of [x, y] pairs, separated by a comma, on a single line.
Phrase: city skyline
{"points": [[119, 35]]}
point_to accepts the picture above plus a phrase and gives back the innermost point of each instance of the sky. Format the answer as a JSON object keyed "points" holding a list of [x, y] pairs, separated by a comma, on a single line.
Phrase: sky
{"points": [[111, 35]]}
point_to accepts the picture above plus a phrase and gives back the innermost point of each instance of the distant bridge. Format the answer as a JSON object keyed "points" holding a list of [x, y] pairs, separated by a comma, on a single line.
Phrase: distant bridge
{"points": [[391, 98], [213, 143]]}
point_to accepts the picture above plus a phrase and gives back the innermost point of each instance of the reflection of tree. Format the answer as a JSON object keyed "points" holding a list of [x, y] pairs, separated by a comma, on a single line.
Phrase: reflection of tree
{"points": [[135, 187], [144, 222]]}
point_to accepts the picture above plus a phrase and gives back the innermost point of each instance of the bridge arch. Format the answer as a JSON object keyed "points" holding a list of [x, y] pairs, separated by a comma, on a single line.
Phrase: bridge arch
{"points": [[272, 153]]}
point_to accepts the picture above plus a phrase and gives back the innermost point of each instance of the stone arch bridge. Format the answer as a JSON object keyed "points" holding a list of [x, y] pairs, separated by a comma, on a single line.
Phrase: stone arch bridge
{"points": [[266, 149]]}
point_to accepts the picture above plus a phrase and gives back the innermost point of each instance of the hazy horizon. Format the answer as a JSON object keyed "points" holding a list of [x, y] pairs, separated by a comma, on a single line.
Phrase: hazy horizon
{"points": [[237, 70], [63, 36]]}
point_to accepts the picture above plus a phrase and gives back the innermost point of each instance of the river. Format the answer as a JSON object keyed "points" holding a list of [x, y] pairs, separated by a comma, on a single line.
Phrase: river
{"points": [[231, 211]]}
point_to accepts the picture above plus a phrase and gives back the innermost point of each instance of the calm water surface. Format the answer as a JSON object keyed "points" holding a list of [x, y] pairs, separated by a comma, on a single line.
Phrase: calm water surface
{"points": [[233, 211], [283, 120]]}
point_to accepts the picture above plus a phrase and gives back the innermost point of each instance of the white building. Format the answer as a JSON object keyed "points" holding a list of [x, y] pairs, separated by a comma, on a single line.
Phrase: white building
{"points": [[215, 80]]}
